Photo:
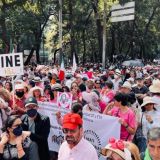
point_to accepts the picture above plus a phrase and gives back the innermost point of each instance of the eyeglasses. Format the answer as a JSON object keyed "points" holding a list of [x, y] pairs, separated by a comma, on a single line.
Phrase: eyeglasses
{"points": [[71, 131]]}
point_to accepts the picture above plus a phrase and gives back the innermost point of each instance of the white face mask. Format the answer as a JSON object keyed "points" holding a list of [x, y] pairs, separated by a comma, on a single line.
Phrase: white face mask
{"points": [[116, 76]]}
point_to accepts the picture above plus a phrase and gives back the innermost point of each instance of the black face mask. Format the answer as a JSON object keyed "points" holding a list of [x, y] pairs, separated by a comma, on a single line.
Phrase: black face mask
{"points": [[20, 94], [18, 131], [32, 112]]}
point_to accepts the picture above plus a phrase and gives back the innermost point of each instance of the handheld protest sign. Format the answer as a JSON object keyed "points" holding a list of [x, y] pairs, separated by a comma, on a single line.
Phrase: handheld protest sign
{"points": [[11, 64], [64, 100]]}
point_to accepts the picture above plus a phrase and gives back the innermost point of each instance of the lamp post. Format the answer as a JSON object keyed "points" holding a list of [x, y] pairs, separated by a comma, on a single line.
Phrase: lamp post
{"points": [[104, 36], [60, 30]]}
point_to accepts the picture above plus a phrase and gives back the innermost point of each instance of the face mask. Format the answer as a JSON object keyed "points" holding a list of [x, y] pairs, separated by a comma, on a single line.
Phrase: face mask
{"points": [[19, 93], [112, 77], [17, 131], [32, 112]]}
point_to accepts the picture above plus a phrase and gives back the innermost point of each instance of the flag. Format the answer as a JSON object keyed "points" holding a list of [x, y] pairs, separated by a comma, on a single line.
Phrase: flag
{"points": [[11, 46], [74, 64], [61, 74]]}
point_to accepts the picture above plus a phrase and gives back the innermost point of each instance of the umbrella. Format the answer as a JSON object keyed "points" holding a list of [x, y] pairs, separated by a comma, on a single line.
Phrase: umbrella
{"points": [[133, 63]]}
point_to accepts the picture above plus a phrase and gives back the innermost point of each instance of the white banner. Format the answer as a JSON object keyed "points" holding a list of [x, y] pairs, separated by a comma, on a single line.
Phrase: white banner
{"points": [[98, 128], [11, 64]]}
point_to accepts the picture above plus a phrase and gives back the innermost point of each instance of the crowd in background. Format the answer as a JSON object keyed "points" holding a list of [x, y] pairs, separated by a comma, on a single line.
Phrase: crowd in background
{"points": [[130, 93]]}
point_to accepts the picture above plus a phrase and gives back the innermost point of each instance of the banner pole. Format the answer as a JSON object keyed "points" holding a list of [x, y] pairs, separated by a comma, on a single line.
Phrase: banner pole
{"points": [[13, 90]]}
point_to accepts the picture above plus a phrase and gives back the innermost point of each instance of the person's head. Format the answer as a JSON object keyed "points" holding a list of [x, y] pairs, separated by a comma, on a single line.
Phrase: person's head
{"points": [[132, 74], [78, 78], [155, 87], [37, 81], [109, 85], [65, 89], [74, 86], [31, 84], [153, 138], [140, 82], [37, 92], [126, 88], [31, 106], [90, 84], [97, 84], [8, 86], [121, 99], [56, 88], [19, 90], [13, 126], [47, 89], [72, 128], [148, 104], [77, 108], [4, 94], [120, 150]]}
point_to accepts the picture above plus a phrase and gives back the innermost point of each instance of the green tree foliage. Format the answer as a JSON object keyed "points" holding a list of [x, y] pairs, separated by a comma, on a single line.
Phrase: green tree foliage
{"points": [[25, 21]]}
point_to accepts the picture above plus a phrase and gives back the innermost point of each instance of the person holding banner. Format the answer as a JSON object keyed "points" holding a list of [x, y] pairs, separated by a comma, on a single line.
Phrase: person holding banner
{"points": [[75, 147], [127, 117]]}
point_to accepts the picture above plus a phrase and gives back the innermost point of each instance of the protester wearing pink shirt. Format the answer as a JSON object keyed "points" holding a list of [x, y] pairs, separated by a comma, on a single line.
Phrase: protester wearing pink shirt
{"points": [[107, 95], [126, 117]]}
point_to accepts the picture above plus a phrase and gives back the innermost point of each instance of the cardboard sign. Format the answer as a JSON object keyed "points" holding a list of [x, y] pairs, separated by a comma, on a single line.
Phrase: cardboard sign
{"points": [[11, 64], [64, 100]]}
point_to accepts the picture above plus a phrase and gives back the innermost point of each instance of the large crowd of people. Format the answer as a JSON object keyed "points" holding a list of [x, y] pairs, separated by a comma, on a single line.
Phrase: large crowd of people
{"points": [[130, 93]]}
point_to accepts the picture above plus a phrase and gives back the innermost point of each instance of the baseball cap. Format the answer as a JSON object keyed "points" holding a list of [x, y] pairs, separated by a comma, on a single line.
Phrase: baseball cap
{"points": [[71, 121], [31, 101]]}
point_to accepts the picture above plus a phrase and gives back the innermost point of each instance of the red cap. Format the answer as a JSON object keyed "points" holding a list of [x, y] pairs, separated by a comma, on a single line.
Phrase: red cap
{"points": [[72, 120]]}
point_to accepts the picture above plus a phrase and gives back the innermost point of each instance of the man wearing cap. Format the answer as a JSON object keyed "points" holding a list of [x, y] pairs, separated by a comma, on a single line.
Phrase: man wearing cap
{"points": [[75, 147], [38, 127], [140, 89], [81, 85], [19, 100]]}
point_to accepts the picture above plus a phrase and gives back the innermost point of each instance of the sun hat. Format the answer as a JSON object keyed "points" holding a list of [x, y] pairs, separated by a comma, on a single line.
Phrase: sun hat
{"points": [[71, 121], [147, 100], [155, 87], [130, 79], [126, 85], [34, 89], [37, 79], [117, 146], [19, 86], [56, 86]]}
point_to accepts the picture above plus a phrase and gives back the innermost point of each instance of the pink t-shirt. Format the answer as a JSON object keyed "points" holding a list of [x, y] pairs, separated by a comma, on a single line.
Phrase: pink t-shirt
{"points": [[129, 118]]}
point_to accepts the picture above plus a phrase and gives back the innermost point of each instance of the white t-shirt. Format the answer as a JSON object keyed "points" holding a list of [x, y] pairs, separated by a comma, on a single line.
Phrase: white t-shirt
{"points": [[82, 151], [146, 125]]}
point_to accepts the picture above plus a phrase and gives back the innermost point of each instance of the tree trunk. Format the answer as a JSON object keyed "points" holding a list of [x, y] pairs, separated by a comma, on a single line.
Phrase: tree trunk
{"points": [[84, 46], [72, 34], [99, 29], [29, 57]]}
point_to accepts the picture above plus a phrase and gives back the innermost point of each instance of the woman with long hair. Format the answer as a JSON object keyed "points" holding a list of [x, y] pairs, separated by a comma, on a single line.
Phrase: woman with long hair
{"points": [[13, 140]]}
